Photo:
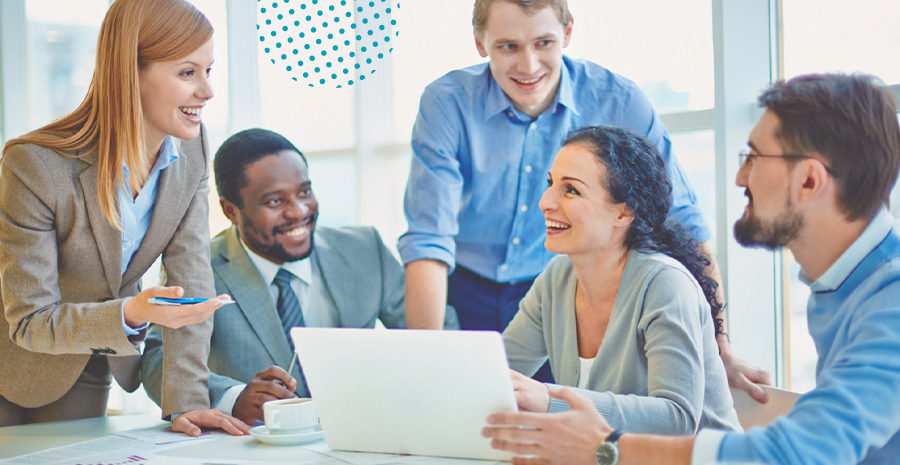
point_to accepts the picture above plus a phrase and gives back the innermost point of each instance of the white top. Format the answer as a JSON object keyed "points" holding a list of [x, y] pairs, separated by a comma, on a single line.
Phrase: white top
{"points": [[586, 364]]}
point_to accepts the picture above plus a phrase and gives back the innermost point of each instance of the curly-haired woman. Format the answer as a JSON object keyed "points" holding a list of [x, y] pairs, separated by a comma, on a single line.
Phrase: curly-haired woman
{"points": [[623, 313]]}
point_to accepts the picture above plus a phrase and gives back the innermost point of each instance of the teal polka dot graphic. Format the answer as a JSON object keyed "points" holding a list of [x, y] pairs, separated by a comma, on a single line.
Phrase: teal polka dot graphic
{"points": [[350, 37]]}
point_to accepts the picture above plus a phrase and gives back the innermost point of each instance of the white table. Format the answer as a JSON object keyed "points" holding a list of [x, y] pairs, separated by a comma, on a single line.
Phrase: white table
{"points": [[26, 439], [21, 440]]}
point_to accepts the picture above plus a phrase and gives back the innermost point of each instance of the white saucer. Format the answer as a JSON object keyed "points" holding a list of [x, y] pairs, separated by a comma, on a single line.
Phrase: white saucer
{"points": [[263, 435]]}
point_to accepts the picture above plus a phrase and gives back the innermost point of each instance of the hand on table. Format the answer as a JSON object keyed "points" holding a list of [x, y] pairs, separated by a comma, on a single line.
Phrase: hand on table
{"points": [[138, 311], [531, 395], [742, 375], [270, 384], [191, 422], [566, 438]]}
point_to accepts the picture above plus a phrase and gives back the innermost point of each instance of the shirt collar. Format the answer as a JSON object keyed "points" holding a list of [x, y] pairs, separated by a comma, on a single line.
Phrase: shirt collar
{"points": [[168, 153], [497, 101], [874, 233], [564, 96], [268, 269]]}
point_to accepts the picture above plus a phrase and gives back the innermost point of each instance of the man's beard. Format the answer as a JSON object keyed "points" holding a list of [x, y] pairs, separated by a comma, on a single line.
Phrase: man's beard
{"points": [[275, 251], [750, 232]]}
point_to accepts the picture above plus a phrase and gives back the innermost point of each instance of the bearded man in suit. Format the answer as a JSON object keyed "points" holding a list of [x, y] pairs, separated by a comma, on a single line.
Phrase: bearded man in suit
{"points": [[282, 271]]}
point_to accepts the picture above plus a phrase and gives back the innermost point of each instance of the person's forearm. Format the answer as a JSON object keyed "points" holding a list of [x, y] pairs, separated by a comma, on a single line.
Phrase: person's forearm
{"points": [[425, 297], [713, 272], [641, 449]]}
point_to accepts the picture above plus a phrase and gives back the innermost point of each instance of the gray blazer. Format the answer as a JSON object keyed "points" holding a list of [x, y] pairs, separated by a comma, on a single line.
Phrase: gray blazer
{"points": [[658, 368], [364, 280], [62, 283]]}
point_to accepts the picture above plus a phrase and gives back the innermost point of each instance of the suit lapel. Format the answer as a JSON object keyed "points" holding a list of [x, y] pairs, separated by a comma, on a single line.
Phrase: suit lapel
{"points": [[247, 288], [332, 268], [167, 212], [108, 238]]}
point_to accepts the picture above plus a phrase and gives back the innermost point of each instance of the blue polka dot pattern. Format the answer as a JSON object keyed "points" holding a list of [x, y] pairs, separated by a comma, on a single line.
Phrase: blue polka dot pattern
{"points": [[281, 21]]}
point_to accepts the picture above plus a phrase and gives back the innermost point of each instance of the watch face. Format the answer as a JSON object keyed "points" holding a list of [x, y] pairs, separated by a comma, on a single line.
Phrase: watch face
{"points": [[607, 454]]}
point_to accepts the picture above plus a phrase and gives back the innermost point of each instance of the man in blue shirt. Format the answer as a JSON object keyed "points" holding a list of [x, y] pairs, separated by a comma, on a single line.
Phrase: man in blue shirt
{"points": [[483, 143], [822, 161]]}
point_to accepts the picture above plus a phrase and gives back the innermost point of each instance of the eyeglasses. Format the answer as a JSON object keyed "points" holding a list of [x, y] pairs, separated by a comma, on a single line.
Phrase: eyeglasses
{"points": [[746, 158]]}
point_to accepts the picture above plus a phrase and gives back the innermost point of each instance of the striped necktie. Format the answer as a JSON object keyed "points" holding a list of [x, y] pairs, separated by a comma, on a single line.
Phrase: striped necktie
{"points": [[288, 305]]}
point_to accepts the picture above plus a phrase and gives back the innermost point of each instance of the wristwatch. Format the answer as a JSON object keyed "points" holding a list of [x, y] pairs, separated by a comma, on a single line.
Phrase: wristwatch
{"points": [[608, 452]]}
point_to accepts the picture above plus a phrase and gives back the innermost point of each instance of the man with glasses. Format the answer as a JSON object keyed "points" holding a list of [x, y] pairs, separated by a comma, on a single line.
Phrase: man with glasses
{"points": [[822, 161], [483, 143]]}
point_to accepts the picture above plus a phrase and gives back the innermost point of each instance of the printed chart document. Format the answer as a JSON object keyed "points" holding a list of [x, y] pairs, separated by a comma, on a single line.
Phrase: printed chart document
{"points": [[110, 450]]}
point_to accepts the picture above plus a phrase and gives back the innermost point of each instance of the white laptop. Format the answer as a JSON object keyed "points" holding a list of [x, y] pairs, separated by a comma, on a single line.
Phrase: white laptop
{"points": [[406, 391]]}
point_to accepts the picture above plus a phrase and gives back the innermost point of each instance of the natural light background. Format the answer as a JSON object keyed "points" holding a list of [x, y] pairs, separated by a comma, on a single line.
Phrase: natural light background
{"points": [[821, 36], [434, 39], [665, 47]]}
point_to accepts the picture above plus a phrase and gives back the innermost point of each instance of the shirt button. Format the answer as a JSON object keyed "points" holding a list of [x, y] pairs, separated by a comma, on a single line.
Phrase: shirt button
{"points": [[516, 241], [533, 126], [504, 267], [523, 208], [127, 244], [528, 168]]}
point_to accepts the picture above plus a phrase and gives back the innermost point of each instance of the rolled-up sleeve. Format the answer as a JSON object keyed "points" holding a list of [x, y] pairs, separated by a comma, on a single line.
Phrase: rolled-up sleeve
{"points": [[435, 186]]}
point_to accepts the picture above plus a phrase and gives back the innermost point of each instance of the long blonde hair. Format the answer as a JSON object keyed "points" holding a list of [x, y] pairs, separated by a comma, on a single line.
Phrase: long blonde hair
{"points": [[134, 33]]}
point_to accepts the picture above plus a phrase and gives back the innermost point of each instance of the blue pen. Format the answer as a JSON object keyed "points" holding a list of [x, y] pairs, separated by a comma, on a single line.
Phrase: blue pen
{"points": [[182, 301]]}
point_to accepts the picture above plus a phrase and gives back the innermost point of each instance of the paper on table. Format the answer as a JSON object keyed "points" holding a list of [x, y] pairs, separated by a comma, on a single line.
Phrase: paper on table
{"points": [[169, 460], [366, 458], [111, 447], [353, 458], [751, 413], [159, 436]]}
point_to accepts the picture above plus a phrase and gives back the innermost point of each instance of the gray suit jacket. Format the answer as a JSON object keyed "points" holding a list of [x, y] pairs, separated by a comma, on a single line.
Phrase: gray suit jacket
{"points": [[364, 280], [61, 275]]}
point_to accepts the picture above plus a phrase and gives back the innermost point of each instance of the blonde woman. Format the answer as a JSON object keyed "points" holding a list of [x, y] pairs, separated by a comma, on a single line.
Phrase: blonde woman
{"points": [[87, 203]]}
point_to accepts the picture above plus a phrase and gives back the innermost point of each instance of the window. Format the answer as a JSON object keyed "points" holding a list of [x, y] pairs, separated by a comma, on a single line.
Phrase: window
{"points": [[61, 50], [835, 35], [634, 39], [822, 36], [696, 153], [433, 41]]}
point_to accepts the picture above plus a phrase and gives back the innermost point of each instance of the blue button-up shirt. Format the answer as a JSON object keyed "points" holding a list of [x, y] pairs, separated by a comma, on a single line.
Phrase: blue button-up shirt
{"points": [[853, 414], [136, 214], [480, 166]]}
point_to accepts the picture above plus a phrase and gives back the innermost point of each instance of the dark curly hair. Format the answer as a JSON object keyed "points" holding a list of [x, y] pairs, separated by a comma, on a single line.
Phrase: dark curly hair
{"points": [[636, 176]]}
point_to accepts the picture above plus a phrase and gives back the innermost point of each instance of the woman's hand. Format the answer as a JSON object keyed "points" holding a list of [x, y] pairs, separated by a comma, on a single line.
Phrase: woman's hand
{"points": [[743, 375], [531, 395], [138, 311]]}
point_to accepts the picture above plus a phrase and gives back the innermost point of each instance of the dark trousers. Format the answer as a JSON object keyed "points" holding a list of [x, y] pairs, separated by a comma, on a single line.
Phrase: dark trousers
{"points": [[484, 304], [86, 399]]}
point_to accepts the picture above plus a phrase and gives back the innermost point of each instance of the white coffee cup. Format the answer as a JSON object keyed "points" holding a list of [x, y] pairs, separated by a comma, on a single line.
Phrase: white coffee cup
{"points": [[289, 416]]}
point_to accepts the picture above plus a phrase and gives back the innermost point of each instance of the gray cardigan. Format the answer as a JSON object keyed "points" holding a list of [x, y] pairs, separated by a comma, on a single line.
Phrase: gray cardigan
{"points": [[658, 368]]}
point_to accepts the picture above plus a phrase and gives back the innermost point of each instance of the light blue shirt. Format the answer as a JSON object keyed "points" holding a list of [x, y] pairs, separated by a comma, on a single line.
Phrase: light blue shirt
{"points": [[853, 414], [480, 166], [136, 214]]}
